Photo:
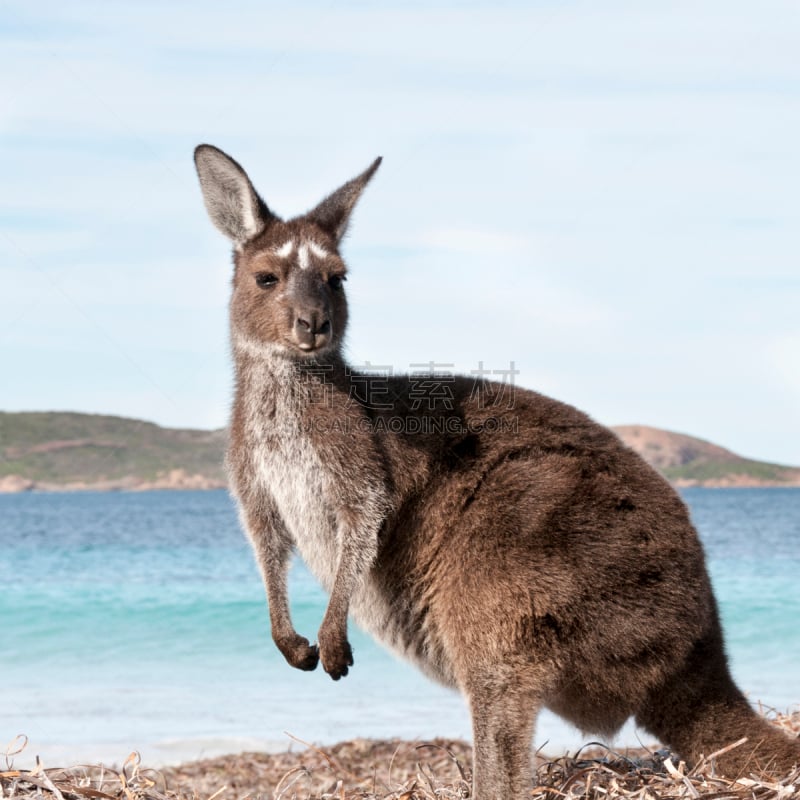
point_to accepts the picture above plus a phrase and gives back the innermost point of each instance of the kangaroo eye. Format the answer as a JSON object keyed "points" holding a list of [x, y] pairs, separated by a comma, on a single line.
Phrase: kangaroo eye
{"points": [[266, 279], [335, 282]]}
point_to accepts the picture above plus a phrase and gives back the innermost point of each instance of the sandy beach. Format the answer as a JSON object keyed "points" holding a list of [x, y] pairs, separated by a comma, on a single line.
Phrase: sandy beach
{"points": [[390, 769]]}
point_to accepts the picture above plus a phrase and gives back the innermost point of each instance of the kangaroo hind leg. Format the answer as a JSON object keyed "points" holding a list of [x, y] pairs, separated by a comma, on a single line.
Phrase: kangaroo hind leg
{"points": [[504, 713]]}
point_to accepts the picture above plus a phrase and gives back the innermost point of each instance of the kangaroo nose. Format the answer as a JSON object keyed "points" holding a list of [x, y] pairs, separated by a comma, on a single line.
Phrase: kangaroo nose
{"points": [[316, 323], [312, 330]]}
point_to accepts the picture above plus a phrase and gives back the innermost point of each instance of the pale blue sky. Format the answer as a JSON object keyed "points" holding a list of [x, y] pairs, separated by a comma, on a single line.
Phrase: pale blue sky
{"points": [[606, 194]]}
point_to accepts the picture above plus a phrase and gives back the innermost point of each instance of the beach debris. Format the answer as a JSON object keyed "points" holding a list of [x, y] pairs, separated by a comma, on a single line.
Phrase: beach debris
{"points": [[392, 769]]}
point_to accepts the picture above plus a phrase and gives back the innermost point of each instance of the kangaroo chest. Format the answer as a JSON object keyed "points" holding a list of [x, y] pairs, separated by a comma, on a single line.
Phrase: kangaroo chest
{"points": [[289, 470], [283, 464]]}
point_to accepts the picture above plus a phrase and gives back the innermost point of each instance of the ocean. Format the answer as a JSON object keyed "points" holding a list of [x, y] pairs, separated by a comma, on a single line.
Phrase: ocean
{"points": [[138, 622]]}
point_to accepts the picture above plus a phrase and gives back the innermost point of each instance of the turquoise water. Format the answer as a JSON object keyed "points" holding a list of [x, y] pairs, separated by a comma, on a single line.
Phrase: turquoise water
{"points": [[137, 621]]}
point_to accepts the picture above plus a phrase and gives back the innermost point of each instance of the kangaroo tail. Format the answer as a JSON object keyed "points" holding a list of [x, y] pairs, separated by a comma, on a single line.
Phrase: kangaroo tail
{"points": [[699, 710]]}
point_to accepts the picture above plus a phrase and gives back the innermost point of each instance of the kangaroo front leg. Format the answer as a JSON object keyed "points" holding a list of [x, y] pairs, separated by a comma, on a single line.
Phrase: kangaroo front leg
{"points": [[273, 549], [296, 649], [357, 552], [334, 649]]}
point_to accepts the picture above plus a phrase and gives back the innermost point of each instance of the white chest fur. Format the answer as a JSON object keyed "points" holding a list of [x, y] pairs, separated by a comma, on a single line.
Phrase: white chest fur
{"points": [[284, 465]]}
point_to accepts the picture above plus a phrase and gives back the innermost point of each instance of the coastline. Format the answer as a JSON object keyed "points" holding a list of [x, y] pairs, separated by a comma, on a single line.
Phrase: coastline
{"points": [[179, 480], [173, 753], [174, 480], [75, 452]]}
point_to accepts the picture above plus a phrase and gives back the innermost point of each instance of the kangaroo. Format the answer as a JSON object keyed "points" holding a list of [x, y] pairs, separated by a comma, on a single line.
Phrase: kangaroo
{"points": [[516, 551]]}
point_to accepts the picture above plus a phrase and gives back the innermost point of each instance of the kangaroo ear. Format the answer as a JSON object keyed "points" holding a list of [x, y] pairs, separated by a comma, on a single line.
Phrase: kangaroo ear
{"points": [[232, 203], [333, 213]]}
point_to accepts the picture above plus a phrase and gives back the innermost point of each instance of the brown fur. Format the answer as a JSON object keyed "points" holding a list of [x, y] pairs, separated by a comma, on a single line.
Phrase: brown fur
{"points": [[519, 552]]}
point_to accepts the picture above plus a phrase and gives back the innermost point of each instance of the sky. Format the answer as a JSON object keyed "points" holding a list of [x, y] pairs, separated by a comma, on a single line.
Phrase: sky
{"points": [[605, 194]]}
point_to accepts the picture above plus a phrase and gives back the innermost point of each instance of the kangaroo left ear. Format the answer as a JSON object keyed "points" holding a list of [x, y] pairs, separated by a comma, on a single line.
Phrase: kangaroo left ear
{"points": [[333, 213], [232, 203]]}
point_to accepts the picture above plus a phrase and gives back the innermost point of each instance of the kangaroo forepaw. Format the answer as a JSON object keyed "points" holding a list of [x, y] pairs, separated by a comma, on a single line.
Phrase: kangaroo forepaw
{"points": [[336, 657], [299, 652]]}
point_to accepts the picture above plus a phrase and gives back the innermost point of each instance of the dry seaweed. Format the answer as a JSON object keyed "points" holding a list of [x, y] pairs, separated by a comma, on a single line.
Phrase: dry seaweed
{"points": [[364, 769]]}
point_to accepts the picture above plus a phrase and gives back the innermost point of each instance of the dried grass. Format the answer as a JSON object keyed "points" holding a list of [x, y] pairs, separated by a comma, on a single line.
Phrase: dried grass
{"points": [[390, 770]]}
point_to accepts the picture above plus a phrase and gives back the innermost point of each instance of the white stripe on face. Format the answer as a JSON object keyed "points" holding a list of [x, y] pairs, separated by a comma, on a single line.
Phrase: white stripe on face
{"points": [[302, 256], [307, 249], [318, 250], [285, 250]]}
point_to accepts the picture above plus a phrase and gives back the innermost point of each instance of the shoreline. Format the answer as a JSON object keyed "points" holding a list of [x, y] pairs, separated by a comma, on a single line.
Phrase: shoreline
{"points": [[71, 452], [182, 481], [175, 480], [554, 738], [173, 753], [162, 754]]}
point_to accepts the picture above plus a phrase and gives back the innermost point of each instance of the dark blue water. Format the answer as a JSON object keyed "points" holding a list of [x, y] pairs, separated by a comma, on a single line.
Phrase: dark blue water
{"points": [[138, 621]]}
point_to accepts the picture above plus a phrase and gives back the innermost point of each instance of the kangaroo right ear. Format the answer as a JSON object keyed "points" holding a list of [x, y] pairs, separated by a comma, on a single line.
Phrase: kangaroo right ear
{"points": [[232, 203]]}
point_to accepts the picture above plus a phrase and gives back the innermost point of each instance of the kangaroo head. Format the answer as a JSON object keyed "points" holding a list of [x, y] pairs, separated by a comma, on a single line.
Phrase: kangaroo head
{"points": [[288, 293]]}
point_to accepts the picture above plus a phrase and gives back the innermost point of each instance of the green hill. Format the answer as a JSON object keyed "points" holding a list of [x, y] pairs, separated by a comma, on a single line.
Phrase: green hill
{"points": [[63, 450], [688, 461]]}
